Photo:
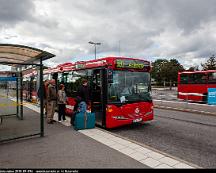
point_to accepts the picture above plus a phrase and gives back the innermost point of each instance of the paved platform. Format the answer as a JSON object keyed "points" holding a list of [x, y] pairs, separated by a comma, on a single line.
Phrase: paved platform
{"points": [[63, 147]]}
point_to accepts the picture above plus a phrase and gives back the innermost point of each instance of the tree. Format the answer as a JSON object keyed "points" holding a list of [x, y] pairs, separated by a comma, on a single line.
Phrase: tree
{"points": [[166, 71], [173, 67], [156, 70], [193, 68], [210, 64]]}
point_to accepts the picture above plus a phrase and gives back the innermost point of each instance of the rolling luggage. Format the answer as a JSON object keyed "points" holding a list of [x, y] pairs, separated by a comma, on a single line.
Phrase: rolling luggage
{"points": [[84, 120]]}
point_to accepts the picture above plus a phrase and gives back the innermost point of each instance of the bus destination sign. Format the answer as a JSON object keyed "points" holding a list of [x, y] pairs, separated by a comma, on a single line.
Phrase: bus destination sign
{"points": [[131, 64]]}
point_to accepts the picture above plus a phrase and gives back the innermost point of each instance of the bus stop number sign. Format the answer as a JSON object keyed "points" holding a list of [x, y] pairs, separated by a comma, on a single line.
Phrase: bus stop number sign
{"points": [[212, 96], [8, 78]]}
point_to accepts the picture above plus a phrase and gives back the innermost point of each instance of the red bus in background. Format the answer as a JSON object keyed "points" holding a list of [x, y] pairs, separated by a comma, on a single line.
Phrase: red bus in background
{"points": [[193, 86], [120, 88], [30, 85]]}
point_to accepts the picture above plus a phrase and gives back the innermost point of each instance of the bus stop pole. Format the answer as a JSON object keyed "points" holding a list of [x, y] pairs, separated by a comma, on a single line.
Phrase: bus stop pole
{"points": [[21, 96], [17, 94], [41, 100]]}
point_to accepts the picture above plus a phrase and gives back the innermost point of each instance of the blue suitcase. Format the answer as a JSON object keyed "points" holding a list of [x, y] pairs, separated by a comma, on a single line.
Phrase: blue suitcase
{"points": [[84, 120]]}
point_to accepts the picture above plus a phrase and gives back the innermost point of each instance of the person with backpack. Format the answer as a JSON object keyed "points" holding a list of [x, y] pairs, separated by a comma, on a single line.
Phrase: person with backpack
{"points": [[83, 92], [82, 96]]}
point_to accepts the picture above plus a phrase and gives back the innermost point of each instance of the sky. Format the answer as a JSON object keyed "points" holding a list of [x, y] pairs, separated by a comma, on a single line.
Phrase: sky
{"points": [[146, 29]]}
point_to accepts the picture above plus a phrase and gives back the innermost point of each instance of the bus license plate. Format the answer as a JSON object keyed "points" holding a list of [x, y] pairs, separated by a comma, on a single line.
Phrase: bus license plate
{"points": [[137, 120]]}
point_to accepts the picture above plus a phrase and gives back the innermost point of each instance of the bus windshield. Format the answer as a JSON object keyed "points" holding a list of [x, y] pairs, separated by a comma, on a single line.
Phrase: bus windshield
{"points": [[129, 87]]}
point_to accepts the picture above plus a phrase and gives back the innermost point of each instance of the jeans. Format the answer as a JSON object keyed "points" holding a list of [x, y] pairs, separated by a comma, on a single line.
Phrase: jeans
{"points": [[61, 111]]}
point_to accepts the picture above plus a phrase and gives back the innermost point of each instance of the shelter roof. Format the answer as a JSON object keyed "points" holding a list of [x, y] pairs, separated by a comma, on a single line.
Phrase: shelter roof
{"points": [[19, 54]]}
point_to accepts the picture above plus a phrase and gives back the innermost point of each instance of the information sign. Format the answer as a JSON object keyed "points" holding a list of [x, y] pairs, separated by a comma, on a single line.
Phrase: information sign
{"points": [[212, 96]]}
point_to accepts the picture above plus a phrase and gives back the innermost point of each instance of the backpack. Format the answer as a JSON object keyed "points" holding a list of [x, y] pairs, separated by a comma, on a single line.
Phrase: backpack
{"points": [[82, 107]]}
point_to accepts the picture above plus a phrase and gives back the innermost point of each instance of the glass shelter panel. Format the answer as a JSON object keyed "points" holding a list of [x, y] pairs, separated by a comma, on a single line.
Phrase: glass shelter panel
{"points": [[17, 96]]}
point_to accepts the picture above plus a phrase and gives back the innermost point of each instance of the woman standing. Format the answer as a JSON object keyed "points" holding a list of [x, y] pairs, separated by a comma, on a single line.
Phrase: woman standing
{"points": [[62, 99]]}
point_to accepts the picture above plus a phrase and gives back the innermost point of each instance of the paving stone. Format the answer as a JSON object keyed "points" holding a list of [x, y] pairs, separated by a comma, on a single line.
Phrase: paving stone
{"points": [[143, 150], [127, 151], [138, 156], [182, 166], [163, 166], [134, 146], [155, 155], [118, 146], [169, 161], [151, 162]]}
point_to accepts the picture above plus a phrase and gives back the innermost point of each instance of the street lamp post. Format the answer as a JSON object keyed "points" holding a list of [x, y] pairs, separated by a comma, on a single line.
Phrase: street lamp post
{"points": [[95, 44]]}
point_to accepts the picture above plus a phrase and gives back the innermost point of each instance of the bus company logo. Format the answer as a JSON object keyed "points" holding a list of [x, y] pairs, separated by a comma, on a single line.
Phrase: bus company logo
{"points": [[61, 68], [137, 110]]}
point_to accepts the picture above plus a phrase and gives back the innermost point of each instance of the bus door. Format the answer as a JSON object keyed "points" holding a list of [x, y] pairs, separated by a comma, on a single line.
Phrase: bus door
{"points": [[98, 96]]}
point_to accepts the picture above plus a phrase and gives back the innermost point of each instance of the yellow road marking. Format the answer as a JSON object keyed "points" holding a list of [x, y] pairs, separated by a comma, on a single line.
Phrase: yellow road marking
{"points": [[11, 104]]}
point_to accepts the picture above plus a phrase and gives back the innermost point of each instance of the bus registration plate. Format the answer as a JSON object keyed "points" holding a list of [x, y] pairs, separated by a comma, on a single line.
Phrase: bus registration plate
{"points": [[137, 120]]}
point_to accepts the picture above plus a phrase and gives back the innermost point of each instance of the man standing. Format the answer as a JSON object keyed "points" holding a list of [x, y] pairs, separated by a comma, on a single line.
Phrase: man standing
{"points": [[51, 101], [44, 96], [83, 95], [83, 91]]}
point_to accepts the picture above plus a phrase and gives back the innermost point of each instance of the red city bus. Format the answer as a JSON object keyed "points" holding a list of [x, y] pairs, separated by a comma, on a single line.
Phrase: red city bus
{"points": [[193, 86], [120, 88]]}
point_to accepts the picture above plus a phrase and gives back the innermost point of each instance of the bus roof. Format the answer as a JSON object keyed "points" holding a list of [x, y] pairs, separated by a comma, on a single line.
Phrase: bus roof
{"points": [[102, 62], [192, 72]]}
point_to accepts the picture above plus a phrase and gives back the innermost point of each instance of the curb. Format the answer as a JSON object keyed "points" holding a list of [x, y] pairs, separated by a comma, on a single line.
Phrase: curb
{"points": [[153, 149], [185, 110]]}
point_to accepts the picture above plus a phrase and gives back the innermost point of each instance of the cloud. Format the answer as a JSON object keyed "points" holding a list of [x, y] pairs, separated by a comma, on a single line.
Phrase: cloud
{"points": [[140, 28], [15, 11]]}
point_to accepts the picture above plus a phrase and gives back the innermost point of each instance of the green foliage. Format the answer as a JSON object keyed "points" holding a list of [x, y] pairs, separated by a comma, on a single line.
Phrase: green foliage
{"points": [[210, 64], [166, 70], [193, 68], [156, 72]]}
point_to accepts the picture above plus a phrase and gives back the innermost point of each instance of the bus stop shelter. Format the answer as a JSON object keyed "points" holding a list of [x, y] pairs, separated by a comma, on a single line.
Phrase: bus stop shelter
{"points": [[20, 58]]}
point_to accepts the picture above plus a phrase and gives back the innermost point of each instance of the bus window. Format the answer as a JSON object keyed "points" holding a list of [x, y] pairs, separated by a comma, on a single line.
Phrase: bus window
{"points": [[110, 76], [197, 78], [212, 78], [33, 82], [184, 79], [131, 86], [69, 77], [75, 82], [59, 78], [46, 77], [96, 86], [64, 78]]}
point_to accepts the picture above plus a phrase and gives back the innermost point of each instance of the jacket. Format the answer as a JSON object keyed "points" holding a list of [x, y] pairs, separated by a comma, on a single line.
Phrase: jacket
{"points": [[83, 93], [62, 99], [51, 94]]}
